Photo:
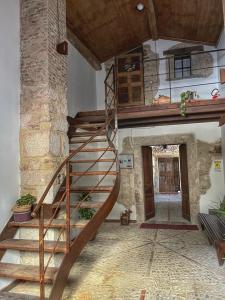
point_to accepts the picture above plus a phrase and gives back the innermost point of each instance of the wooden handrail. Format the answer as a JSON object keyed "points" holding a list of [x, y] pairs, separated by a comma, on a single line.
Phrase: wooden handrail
{"points": [[38, 206]]}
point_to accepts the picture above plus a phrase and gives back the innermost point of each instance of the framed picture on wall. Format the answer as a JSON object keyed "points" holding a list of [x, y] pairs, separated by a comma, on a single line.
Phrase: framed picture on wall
{"points": [[126, 161]]}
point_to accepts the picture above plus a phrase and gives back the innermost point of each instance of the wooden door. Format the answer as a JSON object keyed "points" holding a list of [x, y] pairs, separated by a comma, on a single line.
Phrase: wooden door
{"points": [[176, 169], [169, 178], [130, 79], [184, 182], [148, 182]]}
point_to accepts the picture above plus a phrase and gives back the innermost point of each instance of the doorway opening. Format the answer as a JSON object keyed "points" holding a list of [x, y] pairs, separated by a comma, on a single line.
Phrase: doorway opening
{"points": [[166, 186]]}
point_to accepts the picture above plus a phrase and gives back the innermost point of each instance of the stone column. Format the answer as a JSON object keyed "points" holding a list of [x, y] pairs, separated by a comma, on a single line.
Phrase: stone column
{"points": [[43, 134]]}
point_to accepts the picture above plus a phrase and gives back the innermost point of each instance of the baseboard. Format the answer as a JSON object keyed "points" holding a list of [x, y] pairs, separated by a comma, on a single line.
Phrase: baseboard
{"points": [[118, 221]]}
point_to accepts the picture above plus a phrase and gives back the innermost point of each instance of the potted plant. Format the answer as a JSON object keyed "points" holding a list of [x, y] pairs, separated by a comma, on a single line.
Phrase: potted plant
{"points": [[162, 100], [86, 213], [218, 210], [22, 208], [184, 97]]}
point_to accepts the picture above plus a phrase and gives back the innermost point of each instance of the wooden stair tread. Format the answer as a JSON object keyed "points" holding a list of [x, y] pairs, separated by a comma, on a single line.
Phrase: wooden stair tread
{"points": [[25, 272], [81, 141], [91, 113], [32, 245], [84, 161], [89, 119], [14, 296], [87, 125], [93, 149], [56, 223], [93, 173], [98, 189], [85, 134], [85, 204]]}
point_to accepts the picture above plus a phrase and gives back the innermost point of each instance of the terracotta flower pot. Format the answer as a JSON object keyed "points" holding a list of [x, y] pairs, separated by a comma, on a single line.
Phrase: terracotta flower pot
{"points": [[162, 100], [22, 213]]}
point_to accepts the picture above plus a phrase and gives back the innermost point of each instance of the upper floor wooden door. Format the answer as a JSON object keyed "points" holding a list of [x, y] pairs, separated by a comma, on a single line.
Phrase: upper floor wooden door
{"points": [[130, 78]]}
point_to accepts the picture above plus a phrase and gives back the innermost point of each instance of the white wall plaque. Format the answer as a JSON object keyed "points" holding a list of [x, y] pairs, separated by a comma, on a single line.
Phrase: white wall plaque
{"points": [[126, 161]]}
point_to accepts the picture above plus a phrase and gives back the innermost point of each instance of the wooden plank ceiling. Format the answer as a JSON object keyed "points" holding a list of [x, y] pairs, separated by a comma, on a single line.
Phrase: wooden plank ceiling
{"points": [[111, 27]]}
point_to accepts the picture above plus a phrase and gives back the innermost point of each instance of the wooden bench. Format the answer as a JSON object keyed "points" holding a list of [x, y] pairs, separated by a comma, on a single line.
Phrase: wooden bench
{"points": [[214, 226]]}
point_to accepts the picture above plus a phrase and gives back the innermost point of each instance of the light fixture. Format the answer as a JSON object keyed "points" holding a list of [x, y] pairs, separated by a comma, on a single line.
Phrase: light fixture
{"points": [[140, 7]]}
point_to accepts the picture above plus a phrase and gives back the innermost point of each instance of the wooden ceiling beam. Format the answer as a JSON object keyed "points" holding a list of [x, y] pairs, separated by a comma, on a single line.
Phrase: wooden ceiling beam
{"points": [[163, 37], [152, 20], [83, 49]]}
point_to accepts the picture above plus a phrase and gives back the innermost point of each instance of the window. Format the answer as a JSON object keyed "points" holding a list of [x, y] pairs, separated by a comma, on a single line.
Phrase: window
{"points": [[182, 66]]}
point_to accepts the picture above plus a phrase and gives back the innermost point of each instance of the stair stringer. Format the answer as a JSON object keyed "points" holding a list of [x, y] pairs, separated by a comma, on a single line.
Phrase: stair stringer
{"points": [[79, 243]]}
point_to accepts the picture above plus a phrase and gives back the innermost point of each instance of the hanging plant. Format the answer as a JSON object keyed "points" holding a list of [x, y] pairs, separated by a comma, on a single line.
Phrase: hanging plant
{"points": [[183, 97]]}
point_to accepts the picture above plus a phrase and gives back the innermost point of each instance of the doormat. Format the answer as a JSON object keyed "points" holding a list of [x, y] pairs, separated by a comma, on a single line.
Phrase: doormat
{"points": [[169, 226]]}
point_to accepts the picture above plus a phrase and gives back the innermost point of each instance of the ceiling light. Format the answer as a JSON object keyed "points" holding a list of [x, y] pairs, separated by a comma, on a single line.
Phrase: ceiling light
{"points": [[140, 7]]}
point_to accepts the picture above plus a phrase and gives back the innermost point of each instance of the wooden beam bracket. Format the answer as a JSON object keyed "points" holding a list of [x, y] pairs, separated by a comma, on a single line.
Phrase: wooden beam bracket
{"points": [[152, 20]]}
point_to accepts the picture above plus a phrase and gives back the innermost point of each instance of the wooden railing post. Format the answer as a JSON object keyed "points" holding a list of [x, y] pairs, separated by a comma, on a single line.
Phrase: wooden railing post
{"points": [[68, 206], [41, 254]]}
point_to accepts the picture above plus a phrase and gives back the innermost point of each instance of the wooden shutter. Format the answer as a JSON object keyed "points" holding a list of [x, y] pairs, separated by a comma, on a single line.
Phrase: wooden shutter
{"points": [[130, 79]]}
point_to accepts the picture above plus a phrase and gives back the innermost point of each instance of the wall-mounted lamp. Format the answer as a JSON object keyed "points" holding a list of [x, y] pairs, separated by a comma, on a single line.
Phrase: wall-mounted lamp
{"points": [[140, 7]]}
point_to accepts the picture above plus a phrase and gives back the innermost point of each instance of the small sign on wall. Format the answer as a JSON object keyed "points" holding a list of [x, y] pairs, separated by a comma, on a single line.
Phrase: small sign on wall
{"points": [[217, 165], [126, 161]]}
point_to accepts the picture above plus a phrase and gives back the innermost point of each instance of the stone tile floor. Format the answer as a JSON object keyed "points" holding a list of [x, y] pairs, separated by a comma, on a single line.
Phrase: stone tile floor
{"points": [[123, 261], [168, 209]]}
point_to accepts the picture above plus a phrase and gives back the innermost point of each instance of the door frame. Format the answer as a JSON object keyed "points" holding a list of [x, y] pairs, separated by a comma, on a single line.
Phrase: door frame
{"points": [[149, 201], [184, 178]]}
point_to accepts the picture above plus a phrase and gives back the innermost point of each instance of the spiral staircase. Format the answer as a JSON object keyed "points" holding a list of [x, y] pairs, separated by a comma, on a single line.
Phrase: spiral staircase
{"points": [[90, 170]]}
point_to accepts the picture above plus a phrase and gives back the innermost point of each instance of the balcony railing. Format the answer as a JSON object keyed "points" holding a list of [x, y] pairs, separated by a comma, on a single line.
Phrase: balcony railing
{"points": [[198, 75]]}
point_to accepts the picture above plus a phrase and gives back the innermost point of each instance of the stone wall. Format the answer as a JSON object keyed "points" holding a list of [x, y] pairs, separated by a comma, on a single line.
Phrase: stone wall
{"points": [[43, 134], [201, 64], [200, 157]]}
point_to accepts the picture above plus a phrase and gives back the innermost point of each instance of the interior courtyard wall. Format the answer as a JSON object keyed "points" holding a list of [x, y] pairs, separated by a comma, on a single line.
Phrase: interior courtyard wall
{"points": [[204, 92], [81, 83], [9, 115], [206, 183], [155, 85]]}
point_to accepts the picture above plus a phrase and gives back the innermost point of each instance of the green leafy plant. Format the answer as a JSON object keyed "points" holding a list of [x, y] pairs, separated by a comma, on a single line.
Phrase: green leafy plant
{"points": [[27, 199], [183, 97], [221, 209], [85, 213]]}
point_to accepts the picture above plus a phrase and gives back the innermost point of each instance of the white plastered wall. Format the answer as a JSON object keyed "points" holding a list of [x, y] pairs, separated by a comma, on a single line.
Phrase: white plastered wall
{"points": [[81, 83], [9, 113]]}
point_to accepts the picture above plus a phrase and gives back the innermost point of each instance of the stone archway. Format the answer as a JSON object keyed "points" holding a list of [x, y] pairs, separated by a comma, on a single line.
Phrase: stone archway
{"points": [[136, 175]]}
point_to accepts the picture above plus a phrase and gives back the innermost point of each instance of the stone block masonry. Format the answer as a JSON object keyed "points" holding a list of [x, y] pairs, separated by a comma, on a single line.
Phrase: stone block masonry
{"points": [[43, 134]]}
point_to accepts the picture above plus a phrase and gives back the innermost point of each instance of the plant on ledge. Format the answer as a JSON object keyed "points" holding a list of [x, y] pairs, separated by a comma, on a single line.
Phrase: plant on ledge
{"points": [[183, 108], [85, 213]]}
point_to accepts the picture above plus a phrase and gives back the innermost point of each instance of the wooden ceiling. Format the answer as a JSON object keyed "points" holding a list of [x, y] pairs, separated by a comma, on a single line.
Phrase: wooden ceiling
{"points": [[105, 28]]}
